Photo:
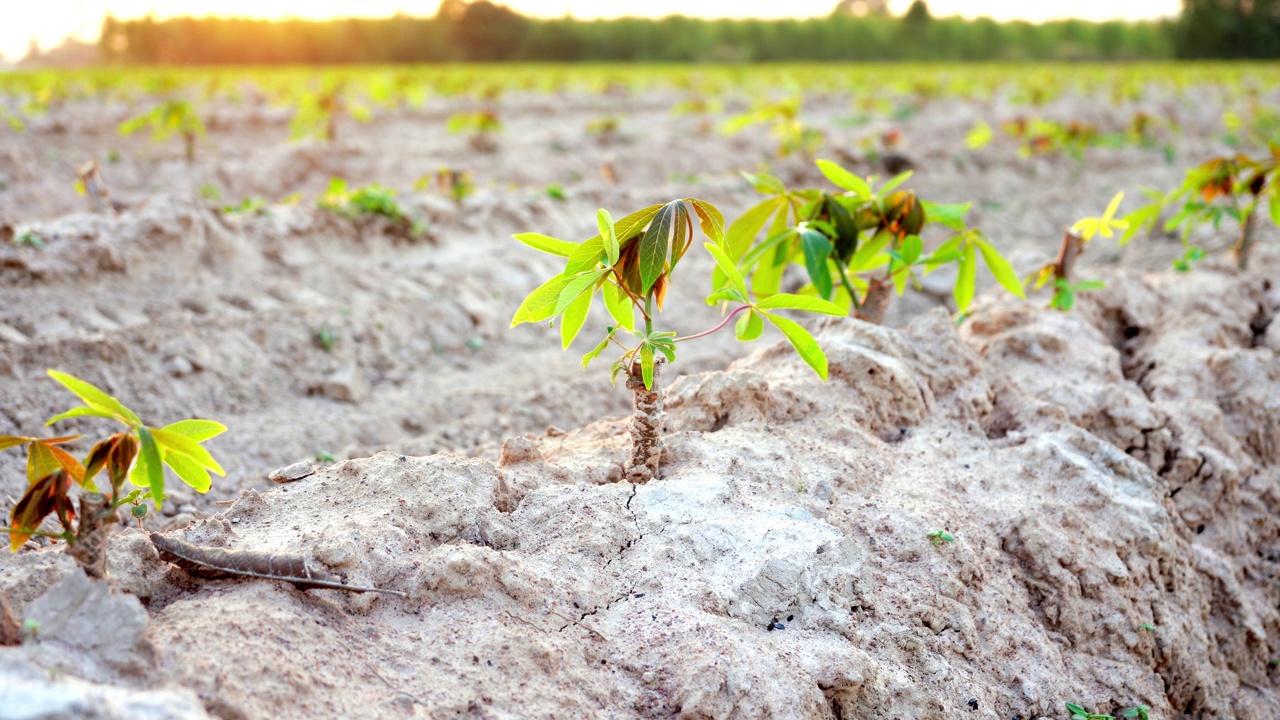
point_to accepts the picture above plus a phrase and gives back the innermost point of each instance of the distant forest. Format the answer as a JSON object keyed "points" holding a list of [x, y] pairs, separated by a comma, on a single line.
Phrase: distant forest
{"points": [[483, 31]]}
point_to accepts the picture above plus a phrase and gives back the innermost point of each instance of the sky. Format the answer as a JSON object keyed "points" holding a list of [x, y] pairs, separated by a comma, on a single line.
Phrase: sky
{"points": [[49, 21]]}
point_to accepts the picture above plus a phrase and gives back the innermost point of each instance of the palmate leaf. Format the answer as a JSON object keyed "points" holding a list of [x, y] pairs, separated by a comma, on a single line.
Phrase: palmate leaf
{"points": [[48, 494]]}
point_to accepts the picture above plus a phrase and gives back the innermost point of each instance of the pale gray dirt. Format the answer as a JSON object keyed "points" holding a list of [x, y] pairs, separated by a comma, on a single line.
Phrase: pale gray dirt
{"points": [[1101, 470]]}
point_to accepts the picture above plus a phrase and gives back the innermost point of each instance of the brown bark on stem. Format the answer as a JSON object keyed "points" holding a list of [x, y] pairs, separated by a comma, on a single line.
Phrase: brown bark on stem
{"points": [[1071, 249], [875, 306], [90, 547], [1244, 243], [646, 426]]}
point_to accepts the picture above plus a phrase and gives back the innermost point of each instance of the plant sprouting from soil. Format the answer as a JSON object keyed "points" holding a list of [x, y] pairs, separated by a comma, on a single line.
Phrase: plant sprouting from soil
{"points": [[370, 201], [29, 239], [169, 118], [1238, 187], [136, 455], [1074, 242], [630, 263], [90, 184], [858, 245], [318, 112], [457, 184], [483, 127], [940, 537], [1142, 712], [1079, 713], [783, 118]]}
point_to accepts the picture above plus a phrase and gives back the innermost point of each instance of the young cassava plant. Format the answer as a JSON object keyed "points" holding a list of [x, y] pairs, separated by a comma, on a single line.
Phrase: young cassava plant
{"points": [[859, 244], [1074, 241], [166, 119], [136, 455], [630, 264], [1237, 187]]}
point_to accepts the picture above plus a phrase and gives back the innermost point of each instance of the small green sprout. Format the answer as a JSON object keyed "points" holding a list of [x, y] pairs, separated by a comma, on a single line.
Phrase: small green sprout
{"points": [[29, 239], [325, 338], [555, 191], [1148, 627], [1142, 712], [324, 456], [1064, 297], [1193, 255], [166, 119], [1079, 713], [247, 206], [30, 629], [939, 537], [209, 191]]}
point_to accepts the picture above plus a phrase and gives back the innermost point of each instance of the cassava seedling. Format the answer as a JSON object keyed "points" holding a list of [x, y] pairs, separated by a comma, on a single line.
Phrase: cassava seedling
{"points": [[319, 110], [858, 245], [783, 118], [940, 537], [1236, 187], [367, 202], [136, 455], [167, 119], [29, 239], [483, 127], [1079, 713], [90, 184], [1074, 241], [630, 264], [457, 184]]}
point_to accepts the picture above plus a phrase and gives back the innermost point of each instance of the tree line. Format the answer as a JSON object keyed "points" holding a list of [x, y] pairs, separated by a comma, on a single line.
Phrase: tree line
{"points": [[483, 31]]}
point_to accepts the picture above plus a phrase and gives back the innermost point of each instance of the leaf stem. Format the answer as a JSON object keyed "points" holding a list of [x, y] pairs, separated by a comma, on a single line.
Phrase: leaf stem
{"points": [[724, 322], [848, 286]]}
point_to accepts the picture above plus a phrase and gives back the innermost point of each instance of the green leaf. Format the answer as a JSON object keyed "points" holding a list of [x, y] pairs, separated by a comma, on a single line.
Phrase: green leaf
{"points": [[817, 249], [646, 365], [197, 430], [869, 255], [845, 180], [576, 286], [40, 461], [710, 219], [171, 441], [631, 224], [749, 327], [748, 226], [1274, 204], [604, 221], [188, 470], [83, 411], [1140, 219], [1000, 268], [586, 256], [786, 301], [547, 244], [618, 303], [803, 342], [148, 471], [765, 183], [949, 215], [95, 398], [909, 249], [541, 303], [575, 315], [656, 246], [727, 267], [966, 281], [596, 351], [895, 182]]}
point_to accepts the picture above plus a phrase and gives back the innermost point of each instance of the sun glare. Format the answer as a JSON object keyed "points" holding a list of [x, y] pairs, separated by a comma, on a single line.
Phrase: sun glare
{"points": [[50, 21]]}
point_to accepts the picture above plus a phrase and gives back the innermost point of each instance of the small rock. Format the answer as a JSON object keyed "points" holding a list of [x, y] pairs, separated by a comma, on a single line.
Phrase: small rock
{"points": [[292, 473], [346, 385], [10, 334], [178, 366], [69, 624]]}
